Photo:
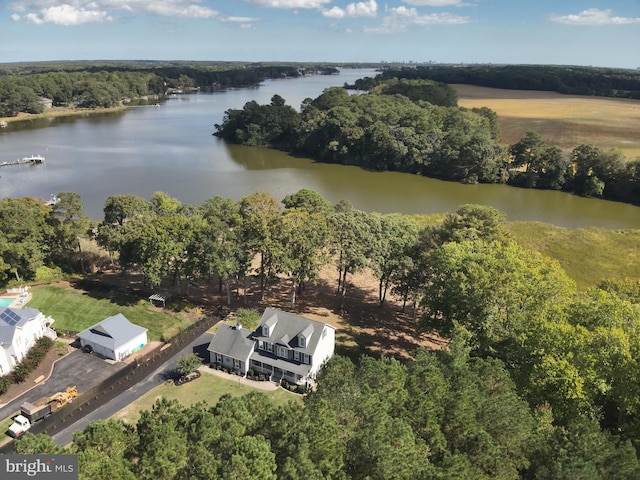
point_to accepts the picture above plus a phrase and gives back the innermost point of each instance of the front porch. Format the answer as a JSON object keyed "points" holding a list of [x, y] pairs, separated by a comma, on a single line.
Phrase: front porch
{"points": [[278, 374]]}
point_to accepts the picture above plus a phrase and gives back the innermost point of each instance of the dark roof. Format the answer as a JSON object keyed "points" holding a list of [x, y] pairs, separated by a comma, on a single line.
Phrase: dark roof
{"points": [[233, 342], [112, 332], [287, 327]]}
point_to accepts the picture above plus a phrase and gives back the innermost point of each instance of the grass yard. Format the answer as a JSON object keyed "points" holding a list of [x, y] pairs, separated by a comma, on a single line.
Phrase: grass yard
{"points": [[563, 120], [74, 310], [208, 388], [587, 255]]}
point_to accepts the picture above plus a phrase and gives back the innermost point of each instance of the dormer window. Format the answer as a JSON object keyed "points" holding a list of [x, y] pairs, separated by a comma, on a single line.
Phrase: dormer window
{"points": [[265, 330], [304, 336]]}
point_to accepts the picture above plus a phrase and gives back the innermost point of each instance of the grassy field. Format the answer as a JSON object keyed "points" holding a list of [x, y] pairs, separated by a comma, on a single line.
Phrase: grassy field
{"points": [[563, 120], [208, 388], [59, 112], [75, 310], [587, 255]]}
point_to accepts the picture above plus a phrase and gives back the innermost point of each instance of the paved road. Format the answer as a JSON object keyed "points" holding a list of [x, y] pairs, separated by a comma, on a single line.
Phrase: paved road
{"points": [[157, 377]]}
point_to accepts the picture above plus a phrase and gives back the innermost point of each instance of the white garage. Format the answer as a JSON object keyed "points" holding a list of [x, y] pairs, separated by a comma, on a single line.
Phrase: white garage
{"points": [[114, 337]]}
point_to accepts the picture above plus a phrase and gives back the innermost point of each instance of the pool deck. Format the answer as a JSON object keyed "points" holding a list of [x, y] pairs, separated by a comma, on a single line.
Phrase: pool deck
{"points": [[18, 301]]}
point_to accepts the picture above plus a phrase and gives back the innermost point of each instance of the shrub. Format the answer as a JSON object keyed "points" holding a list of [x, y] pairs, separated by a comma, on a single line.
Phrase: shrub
{"points": [[32, 359], [5, 383]]}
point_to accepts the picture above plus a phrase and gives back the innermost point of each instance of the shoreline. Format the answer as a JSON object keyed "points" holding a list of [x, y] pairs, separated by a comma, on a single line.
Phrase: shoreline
{"points": [[63, 112]]}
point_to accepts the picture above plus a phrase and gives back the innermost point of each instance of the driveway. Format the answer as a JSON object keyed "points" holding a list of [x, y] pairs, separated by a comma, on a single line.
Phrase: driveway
{"points": [[81, 369], [157, 377]]}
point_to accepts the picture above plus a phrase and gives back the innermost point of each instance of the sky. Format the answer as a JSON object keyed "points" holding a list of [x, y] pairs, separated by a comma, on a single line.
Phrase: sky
{"points": [[570, 32]]}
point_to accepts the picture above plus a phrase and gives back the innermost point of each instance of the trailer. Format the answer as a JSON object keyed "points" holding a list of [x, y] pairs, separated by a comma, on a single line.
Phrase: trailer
{"points": [[30, 413]]}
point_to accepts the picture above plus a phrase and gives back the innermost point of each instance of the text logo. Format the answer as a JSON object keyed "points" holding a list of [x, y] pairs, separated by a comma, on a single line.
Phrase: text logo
{"points": [[50, 467]]}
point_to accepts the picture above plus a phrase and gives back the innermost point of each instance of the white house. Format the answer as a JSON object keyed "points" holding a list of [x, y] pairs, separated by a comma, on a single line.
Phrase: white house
{"points": [[114, 337], [20, 328], [284, 346]]}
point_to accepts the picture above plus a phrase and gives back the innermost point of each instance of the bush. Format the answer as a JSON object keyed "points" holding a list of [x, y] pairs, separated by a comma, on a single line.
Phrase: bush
{"points": [[32, 359], [5, 383]]}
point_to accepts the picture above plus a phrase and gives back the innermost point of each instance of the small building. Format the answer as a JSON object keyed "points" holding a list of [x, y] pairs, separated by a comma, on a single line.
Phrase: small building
{"points": [[20, 329], [284, 347], [114, 337]]}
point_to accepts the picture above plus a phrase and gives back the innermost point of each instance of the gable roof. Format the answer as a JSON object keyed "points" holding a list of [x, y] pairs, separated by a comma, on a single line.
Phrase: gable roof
{"points": [[12, 318], [233, 342], [112, 332], [287, 327]]}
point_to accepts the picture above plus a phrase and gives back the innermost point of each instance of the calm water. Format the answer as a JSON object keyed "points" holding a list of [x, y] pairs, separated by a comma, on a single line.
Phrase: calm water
{"points": [[170, 148]]}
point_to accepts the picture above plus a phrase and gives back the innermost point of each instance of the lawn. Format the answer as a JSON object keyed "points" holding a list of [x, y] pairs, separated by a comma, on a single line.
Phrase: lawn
{"points": [[588, 255], [74, 310], [208, 388]]}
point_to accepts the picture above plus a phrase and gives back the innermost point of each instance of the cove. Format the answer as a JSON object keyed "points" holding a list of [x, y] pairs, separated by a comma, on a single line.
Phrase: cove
{"points": [[170, 148]]}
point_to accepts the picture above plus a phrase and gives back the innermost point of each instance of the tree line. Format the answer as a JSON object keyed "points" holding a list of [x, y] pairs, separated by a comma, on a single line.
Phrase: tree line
{"points": [[415, 126], [567, 79], [111, 85], [538, 380]]}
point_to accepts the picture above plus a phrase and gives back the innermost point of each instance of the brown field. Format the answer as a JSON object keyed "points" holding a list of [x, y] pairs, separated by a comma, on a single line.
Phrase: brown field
{"points": [[563, 120]]}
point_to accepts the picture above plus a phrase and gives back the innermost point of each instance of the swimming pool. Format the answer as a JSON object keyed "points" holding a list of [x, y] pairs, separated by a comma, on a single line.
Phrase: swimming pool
{"points": [[6, 301]]}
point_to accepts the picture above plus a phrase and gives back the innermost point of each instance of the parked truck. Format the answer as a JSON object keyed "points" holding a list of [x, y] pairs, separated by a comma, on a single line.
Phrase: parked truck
{"points": [[30, 413]]}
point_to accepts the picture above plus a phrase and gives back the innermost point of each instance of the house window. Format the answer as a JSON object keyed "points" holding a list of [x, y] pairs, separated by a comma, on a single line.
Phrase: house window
{"points": [[282, 352], [219, 357], [265, 330], [302, 341], [296, 356], [307, 359], [260, 344], [236, 363], [270, 347]]}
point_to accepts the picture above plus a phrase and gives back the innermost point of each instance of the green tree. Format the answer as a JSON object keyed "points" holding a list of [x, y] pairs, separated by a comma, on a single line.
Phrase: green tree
{"points": [[395, 236], [309, 200], [494, 290], [25, 236], [70, 224], [261, 215], [188, 364], [304, 237], [352, 231], [30, 444]]}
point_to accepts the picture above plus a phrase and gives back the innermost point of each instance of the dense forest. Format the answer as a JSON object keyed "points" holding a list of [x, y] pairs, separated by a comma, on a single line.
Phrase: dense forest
{"points": [[538, 381], [415, 126], [90, 85], [574, 80]]}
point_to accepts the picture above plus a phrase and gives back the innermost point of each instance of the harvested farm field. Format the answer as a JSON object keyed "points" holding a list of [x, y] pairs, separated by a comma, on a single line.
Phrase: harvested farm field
{"points": [[563, 120]]}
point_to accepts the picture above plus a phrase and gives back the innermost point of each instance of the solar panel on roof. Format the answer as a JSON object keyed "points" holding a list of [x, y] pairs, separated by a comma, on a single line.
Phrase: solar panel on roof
{"points": [[10, 317]]}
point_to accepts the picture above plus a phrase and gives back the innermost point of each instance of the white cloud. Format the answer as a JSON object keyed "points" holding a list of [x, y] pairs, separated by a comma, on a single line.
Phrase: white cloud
{"points": [[67, 15], [400, 18], [360, 9], [436, 3], [243, 22], [76, 12], [289, 3], [593, 17], [240, 19]]}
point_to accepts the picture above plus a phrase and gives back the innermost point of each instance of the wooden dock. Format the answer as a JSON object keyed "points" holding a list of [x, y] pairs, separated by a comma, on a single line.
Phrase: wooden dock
{"points": [[32, 160]]}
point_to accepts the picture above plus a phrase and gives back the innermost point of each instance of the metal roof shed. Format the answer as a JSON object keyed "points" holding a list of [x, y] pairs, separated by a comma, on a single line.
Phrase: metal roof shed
{"points": [[114, 337]]}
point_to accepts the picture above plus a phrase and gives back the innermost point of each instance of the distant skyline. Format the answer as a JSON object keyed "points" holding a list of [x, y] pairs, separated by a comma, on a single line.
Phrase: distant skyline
{"points": [[574, 32]]}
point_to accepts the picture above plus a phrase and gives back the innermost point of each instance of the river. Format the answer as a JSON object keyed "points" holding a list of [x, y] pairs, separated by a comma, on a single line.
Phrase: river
{"points": [[171, 148]]}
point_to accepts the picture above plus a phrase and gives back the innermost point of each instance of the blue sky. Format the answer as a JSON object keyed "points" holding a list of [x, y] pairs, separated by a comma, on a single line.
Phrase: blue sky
{"points": [[576, 32]]}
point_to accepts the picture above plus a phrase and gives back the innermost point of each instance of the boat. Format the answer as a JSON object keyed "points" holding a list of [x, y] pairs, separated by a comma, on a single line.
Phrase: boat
{"points": [[33, 159]]}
